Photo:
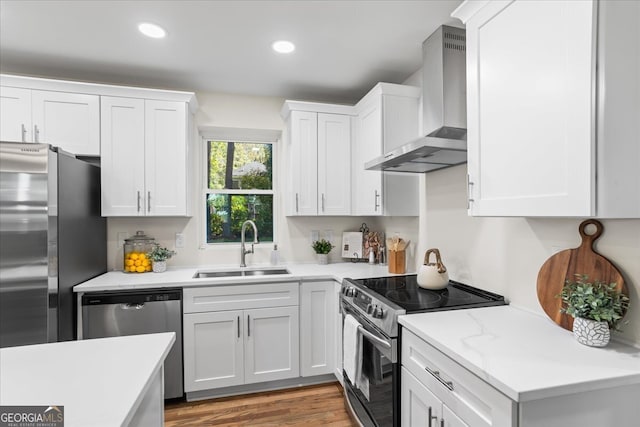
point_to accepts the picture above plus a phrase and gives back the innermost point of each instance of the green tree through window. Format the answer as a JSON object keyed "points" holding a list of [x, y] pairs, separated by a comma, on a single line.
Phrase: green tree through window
{"points": [[239, 187]]}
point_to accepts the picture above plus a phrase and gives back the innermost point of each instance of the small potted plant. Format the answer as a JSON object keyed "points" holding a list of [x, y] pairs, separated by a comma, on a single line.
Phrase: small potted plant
{"points": [[596, 308], [322, 248], [159, 257]]}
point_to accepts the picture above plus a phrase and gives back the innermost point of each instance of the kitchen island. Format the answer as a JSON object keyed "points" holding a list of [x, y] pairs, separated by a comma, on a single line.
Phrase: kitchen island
{"points": [[99, 382]]}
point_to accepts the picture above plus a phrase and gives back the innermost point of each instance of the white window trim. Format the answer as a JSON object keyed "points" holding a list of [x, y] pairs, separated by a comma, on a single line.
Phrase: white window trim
{"points": [[263, 136]]}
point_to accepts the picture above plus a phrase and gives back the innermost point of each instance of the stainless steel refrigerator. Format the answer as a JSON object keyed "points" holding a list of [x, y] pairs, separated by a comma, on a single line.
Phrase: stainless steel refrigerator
{"points": [[52, 237]]}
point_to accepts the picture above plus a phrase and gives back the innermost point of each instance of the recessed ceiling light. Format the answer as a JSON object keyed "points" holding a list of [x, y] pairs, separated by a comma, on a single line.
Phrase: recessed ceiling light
{"points": [[283, 46], [152, 30]]}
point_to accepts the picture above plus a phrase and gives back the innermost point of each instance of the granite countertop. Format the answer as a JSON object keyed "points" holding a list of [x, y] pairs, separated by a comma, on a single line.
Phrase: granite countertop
{"points": [[522, 354], [99, 381], [184, 277]]}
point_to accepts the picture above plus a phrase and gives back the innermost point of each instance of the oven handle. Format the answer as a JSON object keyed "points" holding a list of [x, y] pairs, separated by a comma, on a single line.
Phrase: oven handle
{"points": [[374, 338]]}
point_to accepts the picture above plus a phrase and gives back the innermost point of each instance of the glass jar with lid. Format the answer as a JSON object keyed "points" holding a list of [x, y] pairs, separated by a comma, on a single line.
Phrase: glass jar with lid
{"points": [[135, 253]]}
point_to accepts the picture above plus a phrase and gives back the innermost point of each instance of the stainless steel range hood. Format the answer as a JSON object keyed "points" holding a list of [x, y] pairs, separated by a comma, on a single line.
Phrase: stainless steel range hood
{"points": [[444, 109]]}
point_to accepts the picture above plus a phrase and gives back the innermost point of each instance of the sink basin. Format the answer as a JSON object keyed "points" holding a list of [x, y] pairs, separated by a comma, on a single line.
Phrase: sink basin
{"points": [[240, 273]]}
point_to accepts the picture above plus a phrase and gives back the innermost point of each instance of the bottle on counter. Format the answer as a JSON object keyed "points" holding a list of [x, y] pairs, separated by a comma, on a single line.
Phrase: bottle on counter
{"points": [[382, 256], [274, 255], [372, 257]]}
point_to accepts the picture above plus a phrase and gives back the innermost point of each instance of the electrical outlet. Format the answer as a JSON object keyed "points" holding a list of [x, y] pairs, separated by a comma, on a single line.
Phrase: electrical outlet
{"points": [[315, 235], [122, 235], [179, 240]]}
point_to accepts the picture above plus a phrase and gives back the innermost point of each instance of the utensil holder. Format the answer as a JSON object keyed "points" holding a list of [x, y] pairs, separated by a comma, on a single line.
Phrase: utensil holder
{"points": [[397, 261]]}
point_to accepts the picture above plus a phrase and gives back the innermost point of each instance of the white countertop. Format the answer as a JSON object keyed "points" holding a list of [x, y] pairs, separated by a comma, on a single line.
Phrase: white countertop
{"points": [[100, 382], [183, 277], [524, 355]]}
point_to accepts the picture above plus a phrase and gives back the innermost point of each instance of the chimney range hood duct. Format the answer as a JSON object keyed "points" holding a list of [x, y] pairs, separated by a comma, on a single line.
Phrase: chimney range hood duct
{"points": [[444, 109]]}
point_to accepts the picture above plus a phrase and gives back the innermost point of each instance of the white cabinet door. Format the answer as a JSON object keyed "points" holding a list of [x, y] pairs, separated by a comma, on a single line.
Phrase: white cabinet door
{"points": [[122, 157], [334, 164], [367, 187], [303, 152], [530, 98], [165, 158], [70, 121], [387, 118], [213, 350], [449, 419], [419, 407], [317, 330], [144, 157], [15, 114], [272, 344]]}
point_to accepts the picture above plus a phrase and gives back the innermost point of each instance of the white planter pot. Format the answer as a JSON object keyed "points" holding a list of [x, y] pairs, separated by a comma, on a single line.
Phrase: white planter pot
{"points": [[159, 266], [323, 259], [591, 332]]}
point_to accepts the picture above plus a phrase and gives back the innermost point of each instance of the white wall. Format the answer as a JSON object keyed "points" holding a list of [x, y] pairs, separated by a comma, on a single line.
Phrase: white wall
{"points": [[504, 255], [293, 234]]}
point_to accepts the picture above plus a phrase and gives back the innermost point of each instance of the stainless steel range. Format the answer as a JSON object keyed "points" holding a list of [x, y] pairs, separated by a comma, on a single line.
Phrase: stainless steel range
{"points": [[374, 397]]}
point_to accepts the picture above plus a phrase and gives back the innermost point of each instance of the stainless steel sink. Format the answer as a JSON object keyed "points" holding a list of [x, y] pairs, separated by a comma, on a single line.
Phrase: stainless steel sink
{"points": [[240, 273]]}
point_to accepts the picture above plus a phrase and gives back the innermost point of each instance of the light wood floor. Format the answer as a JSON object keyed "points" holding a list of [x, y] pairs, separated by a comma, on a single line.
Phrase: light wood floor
{"points": [[318, 405]]}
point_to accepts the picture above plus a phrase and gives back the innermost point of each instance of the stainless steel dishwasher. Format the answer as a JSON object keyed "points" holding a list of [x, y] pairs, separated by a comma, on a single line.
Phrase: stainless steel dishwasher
{"points": [[113, 314]]}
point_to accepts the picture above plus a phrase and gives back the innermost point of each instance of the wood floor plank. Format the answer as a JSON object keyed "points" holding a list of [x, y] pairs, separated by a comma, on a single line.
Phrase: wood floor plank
{"points": [[318, 405]]}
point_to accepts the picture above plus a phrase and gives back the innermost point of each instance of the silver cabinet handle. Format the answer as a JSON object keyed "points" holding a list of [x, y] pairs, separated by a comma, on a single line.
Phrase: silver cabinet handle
{"points": [[375, 201], [469, 192], [138, 201], [441, 422], [36, 133], [148, 201], [430, 416], [24, 132], [436, 375], [322, 202], [297, 205], [248, 326], [238, 326]]}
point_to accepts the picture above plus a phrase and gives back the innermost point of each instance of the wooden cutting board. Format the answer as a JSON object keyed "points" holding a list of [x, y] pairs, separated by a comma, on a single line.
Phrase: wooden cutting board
{"points": [[566, 264]]}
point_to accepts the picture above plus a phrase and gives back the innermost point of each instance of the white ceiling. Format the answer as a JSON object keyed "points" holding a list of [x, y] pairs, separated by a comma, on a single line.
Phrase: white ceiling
{"points": [[343, 47]]}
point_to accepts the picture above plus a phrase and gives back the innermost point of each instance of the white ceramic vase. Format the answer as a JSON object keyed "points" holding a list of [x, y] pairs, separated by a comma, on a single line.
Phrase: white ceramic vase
{"points": [[159, 266], [323, 259], [591, 332]]}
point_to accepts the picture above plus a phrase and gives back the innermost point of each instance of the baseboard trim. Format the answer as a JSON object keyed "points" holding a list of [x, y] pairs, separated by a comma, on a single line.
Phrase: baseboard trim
{"points": [[258, 387]]}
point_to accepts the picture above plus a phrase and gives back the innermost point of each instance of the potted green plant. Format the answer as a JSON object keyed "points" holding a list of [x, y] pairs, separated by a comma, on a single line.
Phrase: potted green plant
{"points": [[596, 308], [322, 248], [159, 256]]}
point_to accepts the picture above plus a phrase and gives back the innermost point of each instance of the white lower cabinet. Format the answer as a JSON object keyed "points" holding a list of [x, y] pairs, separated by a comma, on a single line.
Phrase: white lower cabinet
{"points": [[240, 346], [433, 383], [317, 329], [420, 407], [337, 314], [213, 350]]}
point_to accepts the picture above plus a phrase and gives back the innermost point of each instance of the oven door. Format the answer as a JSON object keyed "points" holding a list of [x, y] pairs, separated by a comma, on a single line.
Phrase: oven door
{"points": [[373, 400]]}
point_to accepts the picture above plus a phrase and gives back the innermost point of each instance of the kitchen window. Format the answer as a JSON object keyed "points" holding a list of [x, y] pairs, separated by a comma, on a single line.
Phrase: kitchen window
{"points": [[239, 186]]}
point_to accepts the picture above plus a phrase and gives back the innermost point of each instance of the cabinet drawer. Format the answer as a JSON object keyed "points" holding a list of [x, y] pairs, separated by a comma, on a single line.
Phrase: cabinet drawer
{"points": [[473, 400], [239, 297]]}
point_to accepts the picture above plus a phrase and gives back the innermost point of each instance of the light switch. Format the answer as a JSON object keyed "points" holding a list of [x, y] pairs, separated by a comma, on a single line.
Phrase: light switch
{"points": [[179, 240]]}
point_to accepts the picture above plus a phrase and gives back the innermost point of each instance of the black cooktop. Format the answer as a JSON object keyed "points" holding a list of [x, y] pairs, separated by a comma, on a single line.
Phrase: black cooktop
{"points": [[405, 292]]}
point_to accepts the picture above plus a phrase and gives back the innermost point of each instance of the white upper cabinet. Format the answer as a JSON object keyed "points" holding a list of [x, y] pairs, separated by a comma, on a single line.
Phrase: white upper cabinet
{"points": [[553, 99], [318, 140], [15, 114], [144, 157], [387, 117], [70, 121]]}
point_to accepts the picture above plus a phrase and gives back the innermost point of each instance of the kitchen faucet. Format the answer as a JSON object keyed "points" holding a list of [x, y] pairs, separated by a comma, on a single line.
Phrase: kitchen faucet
{"points": [[243, 251]]}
